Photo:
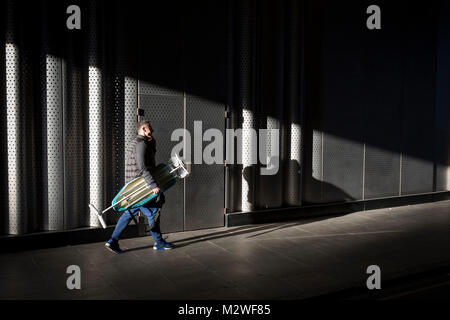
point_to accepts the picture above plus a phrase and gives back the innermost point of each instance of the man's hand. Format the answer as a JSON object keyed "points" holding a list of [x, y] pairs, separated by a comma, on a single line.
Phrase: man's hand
{"points": [[156, 190]]}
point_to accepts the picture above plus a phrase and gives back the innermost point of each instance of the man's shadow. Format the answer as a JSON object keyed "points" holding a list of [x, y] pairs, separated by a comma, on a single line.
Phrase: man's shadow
{"points": [[312, 191], [314, 187], [238, 231]]}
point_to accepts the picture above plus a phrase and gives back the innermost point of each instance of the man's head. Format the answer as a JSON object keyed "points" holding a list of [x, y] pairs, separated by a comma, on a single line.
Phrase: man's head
{"points": [[144, 128]]}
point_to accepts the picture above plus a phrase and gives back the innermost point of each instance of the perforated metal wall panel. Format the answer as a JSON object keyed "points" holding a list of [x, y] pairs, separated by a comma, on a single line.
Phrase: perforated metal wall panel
{"points": [[343, 169], [24, 147], [204, 188], [204, 72], [117, 50], [131, 104], [28, 143], [269, 147], [160, 65], [382, 157], [114, 126], [294, 166], [270, 103], [248, 160], [442, 171], [382, 175], [417, 117], [53, 213], [166, 114], [130, 117], [31, 147], [312, 142], [154, 89], [96, 182], [313, 185], [3, 123], [16, 221], [293, 174], [382, 134], [342, 108], [442, 112], [76, 152], [231, 176], [245, 105]]}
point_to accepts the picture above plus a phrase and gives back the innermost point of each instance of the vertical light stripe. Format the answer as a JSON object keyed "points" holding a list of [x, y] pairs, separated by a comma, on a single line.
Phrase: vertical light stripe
{"points": [[317, 155], [448, 176], [248, 154], [295, 143], [131, 105], [95, 142], [54, 217], [317, 161], [16, 221], [95, 118]]}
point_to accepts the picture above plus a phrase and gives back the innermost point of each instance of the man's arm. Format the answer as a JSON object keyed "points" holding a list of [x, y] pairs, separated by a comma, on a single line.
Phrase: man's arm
{"points": [[140, 162]]}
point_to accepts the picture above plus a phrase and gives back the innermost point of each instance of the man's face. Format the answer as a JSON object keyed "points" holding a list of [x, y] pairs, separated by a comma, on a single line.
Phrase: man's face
{"points": [[146, 131]]}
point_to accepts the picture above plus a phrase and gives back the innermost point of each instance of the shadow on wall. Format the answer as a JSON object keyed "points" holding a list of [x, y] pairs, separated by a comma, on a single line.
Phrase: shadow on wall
{"points": [[313, 194]]}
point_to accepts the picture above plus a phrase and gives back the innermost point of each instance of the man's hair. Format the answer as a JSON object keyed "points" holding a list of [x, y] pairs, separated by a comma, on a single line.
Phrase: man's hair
{"points": [[141, 123]]}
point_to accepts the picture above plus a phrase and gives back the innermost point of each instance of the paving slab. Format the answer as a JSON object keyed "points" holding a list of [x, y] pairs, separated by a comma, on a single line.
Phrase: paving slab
{"points": [[285, 260]]}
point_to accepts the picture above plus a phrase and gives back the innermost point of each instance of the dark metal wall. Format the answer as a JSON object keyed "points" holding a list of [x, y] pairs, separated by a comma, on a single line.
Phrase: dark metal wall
{"points": [[166, 114], [205, 80], [161, 95], [182, 79], [442, 112], [384, 89], [362, 114], [372, 109]]}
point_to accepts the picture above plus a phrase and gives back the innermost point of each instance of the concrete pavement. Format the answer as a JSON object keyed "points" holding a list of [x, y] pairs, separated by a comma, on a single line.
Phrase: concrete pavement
{"points": [[286, 260]]}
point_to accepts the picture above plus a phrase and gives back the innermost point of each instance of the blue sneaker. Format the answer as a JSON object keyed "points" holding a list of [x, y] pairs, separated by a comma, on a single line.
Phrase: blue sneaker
{"points": [[163, 245], [113, 247]]}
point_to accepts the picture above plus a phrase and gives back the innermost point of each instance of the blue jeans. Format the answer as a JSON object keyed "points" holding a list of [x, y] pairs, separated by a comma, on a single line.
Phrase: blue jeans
{"points": [[126, 217]]}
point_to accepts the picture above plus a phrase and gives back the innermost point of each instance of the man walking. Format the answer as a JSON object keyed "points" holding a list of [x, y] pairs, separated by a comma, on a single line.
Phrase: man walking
{"points": [[140, 160]]}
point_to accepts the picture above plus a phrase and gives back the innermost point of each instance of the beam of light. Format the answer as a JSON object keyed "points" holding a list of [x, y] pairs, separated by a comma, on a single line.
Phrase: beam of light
{"points": [[269, 147], [131, 104], [54, 213], [16, 221], [248, 155], [295, 152], [148, 88], [95, 142], [448, 176], [317, 155]]}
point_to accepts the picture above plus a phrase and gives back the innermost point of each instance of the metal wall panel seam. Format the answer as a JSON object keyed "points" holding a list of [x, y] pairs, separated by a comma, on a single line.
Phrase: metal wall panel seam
{"points": [[400, 178], [63, 101], [190, 165], [364, 171], [247, 187], [321, 170], [302, 102]]}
